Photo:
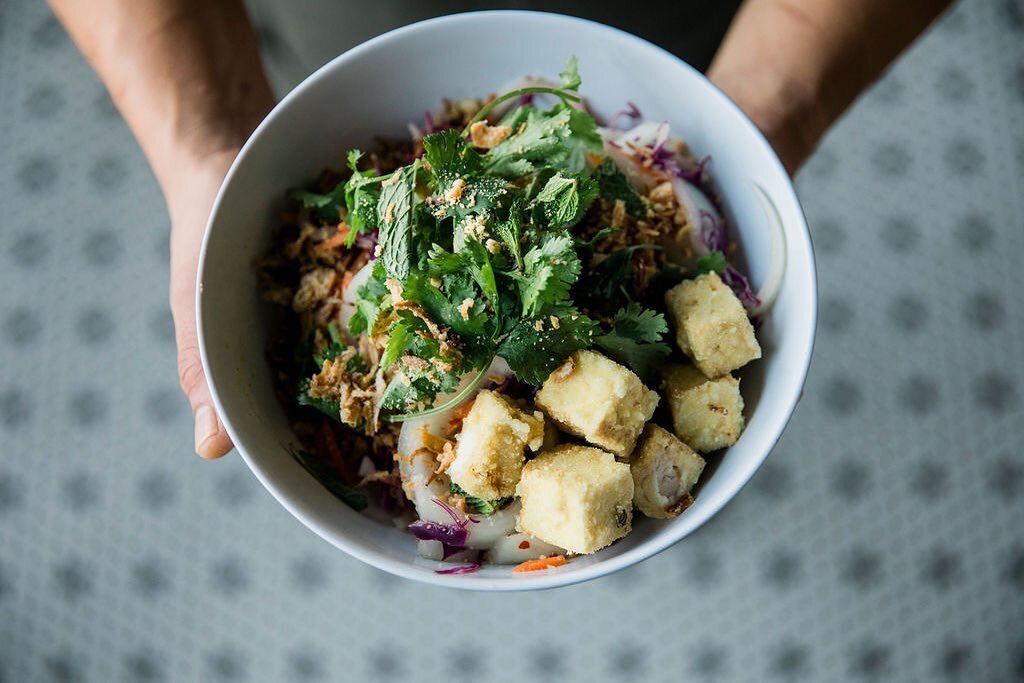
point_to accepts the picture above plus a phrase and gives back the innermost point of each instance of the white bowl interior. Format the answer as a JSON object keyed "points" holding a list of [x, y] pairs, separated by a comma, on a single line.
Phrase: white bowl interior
{"points": [[377, 88]]}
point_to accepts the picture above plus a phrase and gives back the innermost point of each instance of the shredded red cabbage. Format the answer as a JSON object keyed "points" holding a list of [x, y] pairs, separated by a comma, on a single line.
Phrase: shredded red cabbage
{"points": [[525, 100], [697, 176], [631, 112], [369, 242], [449, 534], [713, 232], [462, 569], [452, 537], [740, 286]]}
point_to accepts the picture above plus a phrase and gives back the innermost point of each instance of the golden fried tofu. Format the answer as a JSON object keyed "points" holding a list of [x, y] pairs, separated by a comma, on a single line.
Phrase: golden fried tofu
{"points": [[491, 446], [599, 400], [711, 325], [575, 497], [707, 414], [664, 471]]}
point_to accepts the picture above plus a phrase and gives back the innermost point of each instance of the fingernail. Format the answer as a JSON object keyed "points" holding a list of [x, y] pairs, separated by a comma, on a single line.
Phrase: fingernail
{"points": [[206, 425]]}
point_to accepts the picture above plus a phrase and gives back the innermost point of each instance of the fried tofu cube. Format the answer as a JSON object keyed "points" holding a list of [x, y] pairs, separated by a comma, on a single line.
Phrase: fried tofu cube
{"points": [[576, 497], [707, 414], [491, 447], [664, 471], [712, 328], [599, 400]]}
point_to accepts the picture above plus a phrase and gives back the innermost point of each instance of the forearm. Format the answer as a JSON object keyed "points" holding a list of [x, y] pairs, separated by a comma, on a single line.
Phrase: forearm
{"points": [[794, 66], [185, 74]]}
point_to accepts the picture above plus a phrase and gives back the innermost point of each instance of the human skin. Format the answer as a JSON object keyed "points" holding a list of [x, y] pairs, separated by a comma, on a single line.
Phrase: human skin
{"points": [[187, 77]]}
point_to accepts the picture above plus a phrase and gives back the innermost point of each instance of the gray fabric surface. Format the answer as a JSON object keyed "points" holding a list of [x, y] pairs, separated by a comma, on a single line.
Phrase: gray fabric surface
{"points": [[881, 541]]}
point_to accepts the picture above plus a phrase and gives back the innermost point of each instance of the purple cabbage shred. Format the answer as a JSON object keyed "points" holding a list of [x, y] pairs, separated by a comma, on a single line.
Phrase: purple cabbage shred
{"points": [[461, 569], [369, 242], [631, 112], [740, 285], [697, 176], [452, 537], [713, 232]]}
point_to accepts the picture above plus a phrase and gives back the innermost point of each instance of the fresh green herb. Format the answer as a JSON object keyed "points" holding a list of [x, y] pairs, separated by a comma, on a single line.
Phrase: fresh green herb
{"points": [[571, 75], [549, 270], [615, 186], [398, 220], [362, 193], [711, 262], [331, 480], [479, 505], [564, 199], [330, 408], [535, 347], [635, 340]]}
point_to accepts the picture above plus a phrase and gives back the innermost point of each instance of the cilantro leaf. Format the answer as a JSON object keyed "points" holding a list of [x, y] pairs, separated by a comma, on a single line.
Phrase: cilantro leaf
{"points": [[397, 221], [334, 349], [549, 270], [331, 480], [532, 354], [711, 262], [449, 155], [371, 298], [571, 75], [538, 140], [635, 340], [610, 282], [582, 141], [564, 199], [479, 506], [323, 206], [615, 186]]}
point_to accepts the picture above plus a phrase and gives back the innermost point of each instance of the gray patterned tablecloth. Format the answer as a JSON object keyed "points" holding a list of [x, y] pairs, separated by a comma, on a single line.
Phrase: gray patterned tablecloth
{"points": [[883, 540]]}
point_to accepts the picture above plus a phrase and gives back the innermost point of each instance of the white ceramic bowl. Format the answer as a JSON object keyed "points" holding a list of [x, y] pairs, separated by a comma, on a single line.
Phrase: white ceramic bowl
{"points": [[377, 88]]}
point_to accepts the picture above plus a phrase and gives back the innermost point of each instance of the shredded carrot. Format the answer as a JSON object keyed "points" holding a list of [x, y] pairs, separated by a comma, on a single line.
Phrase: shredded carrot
{"points": [[542, 563], [595, 159], [346, 280], [337, 239]]}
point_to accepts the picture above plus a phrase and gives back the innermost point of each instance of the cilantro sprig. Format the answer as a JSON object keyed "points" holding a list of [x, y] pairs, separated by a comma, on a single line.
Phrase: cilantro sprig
{"points": [[479, 256]]}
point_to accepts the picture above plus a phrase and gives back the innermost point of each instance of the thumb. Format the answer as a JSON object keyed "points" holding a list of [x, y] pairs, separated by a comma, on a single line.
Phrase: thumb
{"points": [[211, 439]]}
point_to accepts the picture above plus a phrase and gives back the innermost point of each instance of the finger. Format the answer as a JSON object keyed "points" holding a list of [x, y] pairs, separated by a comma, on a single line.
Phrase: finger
{"points": [[211, 439]]}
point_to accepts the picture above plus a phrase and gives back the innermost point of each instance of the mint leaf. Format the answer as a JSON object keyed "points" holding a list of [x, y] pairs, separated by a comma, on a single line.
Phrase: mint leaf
{"points": [[479, 506], [532, 354], [711, 262], [615, 186], [635, 340], [509, 231], [397, 221], [564, 199]]}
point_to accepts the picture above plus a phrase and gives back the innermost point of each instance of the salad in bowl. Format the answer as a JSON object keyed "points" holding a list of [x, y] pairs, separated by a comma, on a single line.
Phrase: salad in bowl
{"points": [[515, 331]]}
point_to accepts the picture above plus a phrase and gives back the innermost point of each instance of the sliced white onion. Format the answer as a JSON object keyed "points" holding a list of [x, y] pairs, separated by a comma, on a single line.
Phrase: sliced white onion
{"points": [[507, 550], [769, 291]]}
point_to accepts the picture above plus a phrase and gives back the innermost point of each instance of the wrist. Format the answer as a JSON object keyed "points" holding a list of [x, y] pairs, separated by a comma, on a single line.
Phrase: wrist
{"points": [[786, 110]]}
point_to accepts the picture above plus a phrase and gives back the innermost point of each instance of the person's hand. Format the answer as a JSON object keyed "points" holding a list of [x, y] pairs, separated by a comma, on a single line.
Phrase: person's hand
{"points": [[189, 200]]}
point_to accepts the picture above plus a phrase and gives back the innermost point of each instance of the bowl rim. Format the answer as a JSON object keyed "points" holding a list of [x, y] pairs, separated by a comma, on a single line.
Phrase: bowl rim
{"points": [[551, 578]]}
